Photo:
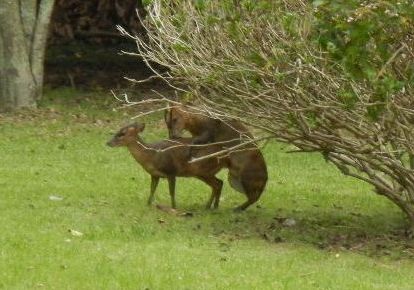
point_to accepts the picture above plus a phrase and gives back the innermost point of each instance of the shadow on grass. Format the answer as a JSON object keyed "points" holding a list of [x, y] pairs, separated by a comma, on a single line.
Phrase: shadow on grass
{"points": [[374, 235]]}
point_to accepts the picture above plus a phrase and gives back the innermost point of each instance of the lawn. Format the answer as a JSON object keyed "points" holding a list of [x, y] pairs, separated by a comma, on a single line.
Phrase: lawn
{"points": [[73, 215]]}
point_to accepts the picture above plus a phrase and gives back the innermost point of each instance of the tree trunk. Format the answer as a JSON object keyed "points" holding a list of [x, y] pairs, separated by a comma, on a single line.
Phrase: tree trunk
{"points": [[23, 35], [406, 206]]}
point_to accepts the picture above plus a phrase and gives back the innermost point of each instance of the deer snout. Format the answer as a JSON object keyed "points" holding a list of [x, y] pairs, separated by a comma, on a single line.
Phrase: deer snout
{"points": [[111, 143]]}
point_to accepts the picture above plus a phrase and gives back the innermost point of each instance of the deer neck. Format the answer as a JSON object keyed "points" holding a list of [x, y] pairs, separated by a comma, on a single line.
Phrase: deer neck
{"points": [[141, 151], [195, 125]]}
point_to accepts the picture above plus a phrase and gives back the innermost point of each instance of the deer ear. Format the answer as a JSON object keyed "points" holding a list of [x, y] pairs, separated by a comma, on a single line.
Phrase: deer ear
{"points": [[141, 127], [138, 126]]}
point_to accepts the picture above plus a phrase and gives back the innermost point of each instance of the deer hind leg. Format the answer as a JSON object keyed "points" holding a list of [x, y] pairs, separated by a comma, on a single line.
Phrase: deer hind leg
{"points": [[216, 185], [154, 184], [171, 186], [250, 200], [218, 192], [253, 192], [235, 182], [253, 177]]}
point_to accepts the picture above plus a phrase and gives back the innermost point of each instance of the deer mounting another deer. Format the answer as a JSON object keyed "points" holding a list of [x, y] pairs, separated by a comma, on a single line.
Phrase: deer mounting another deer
{"points": [[247, 167]]}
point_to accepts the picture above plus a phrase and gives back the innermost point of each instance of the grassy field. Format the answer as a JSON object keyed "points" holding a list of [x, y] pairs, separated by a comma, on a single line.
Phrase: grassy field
{"points": [[344, 236]]}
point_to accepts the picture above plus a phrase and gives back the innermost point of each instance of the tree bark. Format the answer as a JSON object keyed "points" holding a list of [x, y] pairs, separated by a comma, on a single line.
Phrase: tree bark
{"points": [[406, 206], [38, 48], [23, 35]]}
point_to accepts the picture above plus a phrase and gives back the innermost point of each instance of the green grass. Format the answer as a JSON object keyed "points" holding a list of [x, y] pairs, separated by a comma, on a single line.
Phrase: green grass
{"points": [[345, 236]]}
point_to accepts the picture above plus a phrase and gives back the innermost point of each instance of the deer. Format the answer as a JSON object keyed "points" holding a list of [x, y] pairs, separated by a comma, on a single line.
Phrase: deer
{"points": [[170, 159], [247, 167]]}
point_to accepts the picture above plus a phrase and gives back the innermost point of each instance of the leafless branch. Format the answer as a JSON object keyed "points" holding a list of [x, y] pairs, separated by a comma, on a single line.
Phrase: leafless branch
{"points": [[284, 85]]}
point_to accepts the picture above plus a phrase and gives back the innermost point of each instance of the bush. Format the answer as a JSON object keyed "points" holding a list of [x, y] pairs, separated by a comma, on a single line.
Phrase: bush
{"points": [[326, 76]]}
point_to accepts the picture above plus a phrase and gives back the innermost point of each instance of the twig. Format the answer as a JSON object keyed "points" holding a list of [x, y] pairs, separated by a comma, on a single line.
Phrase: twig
{"points": [[231, 149]]}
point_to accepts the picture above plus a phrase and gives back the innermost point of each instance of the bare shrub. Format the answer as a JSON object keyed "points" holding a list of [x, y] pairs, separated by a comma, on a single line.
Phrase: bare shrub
{"points": [[260, 63]]}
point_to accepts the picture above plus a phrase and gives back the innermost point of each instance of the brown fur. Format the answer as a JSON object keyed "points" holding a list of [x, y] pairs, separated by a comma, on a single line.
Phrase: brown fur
{"points": [[204, 129], [172, 162], [247, 167]]}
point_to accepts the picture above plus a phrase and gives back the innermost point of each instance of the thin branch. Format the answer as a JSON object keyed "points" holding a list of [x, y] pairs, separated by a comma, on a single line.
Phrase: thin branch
{"points": [[231, 149]]}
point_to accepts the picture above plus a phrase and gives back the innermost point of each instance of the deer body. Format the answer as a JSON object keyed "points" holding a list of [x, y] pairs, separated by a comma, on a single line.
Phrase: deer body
{"points": [[168, 159], [247, 167]]}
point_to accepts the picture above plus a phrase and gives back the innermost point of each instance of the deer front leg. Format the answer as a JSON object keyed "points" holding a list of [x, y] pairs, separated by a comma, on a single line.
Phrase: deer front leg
{"points": [[154, 184]]}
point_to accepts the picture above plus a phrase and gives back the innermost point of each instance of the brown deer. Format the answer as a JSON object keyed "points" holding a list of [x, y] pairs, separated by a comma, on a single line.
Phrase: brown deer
{"points": [[169, 159], [247, 167]]}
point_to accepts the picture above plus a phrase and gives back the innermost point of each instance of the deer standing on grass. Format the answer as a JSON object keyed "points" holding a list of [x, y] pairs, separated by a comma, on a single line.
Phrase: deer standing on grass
{"points": [[247, 167], [169, 159]]}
